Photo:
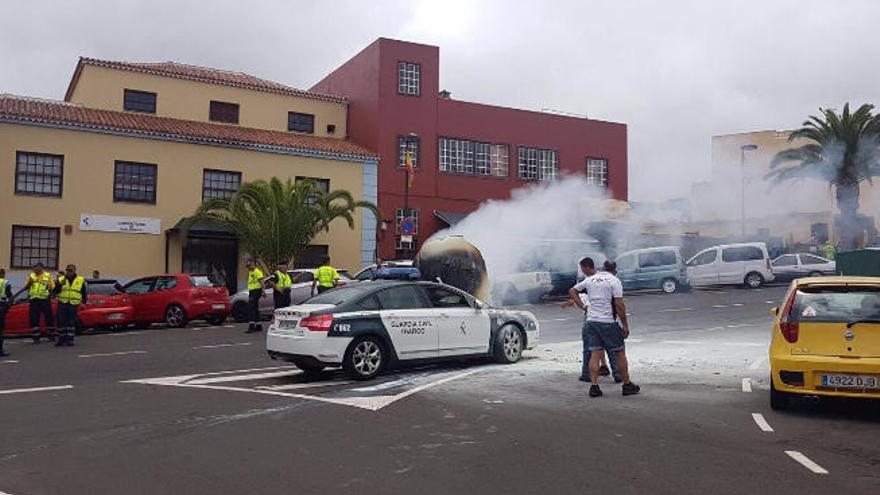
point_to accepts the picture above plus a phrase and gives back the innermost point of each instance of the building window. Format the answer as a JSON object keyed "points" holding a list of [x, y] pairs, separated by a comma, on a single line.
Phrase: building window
{"points": [[219, 184], [322, 184], [402, 245], [409, 78], [499, 160], [414, 214], [413, 143], [134, 182], [538, 164], [32, 245], [301, 122], [461, 156], [224, 112], [481, 159], [331, 128], [312, 256], [38, 174], [139, 101], [597, 172]]}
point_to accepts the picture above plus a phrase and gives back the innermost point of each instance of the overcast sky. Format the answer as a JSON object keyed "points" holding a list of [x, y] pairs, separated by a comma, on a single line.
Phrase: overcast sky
{"points": [[676, 72]]}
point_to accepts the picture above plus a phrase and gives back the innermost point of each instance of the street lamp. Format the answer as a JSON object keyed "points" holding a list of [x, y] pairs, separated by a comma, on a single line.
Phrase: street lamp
{"points": [[742, 184]]}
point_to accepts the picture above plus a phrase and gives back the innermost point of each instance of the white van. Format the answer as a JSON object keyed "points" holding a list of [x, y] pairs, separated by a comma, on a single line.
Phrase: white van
{"points": [[731, 264]]}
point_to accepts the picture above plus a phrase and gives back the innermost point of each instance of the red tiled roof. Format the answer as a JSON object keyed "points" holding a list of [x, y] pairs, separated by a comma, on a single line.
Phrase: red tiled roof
{"points": [[52, 112], [201, 74]]}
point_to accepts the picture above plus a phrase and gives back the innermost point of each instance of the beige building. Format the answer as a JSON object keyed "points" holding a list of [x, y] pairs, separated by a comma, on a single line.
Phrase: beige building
{"points": [[104, 178]]}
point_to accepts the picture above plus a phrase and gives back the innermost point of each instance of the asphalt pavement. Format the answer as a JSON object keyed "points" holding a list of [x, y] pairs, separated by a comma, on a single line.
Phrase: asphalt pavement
{"points": [[203, 410]]}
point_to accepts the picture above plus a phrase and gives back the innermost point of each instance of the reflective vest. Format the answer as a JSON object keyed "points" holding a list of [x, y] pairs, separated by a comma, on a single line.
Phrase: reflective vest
{"points": [[284, 281], [3, 284], [71, 293], [41, 286], [254, 277], [326, 275]]}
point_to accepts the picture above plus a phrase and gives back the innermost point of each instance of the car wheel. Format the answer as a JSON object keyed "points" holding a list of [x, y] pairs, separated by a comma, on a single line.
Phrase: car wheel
{"points": [[240, 312], [509, 343], [364, 358], [754, 280], [778, 400], [669, 285], [175, 316], [215, 319]]}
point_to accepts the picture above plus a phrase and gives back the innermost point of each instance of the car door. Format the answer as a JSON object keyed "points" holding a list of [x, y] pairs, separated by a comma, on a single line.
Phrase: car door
{"points": [[17, 317], [812, 264], [462, 328], [410, 322], [159, 297], [703, 268], [139, 292], [785, 267], [731, 270], [627, 272]]}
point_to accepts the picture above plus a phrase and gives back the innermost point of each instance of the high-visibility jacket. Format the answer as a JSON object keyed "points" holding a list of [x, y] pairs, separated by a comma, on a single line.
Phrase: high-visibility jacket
{"points": [[41, 286], [283, 281], [326, 275], [71, 292], [3, 285], [254, 277]]}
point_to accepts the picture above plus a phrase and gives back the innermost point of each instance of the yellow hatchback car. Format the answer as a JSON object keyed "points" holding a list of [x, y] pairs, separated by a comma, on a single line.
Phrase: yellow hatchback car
{"points": [[826, 340]]}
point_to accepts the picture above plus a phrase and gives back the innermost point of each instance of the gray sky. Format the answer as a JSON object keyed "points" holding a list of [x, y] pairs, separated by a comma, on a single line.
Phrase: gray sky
{"points": [[676, 72]]}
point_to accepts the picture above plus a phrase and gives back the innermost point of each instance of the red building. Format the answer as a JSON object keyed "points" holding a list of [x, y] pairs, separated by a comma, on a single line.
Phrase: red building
{"points": [[465, 153]]}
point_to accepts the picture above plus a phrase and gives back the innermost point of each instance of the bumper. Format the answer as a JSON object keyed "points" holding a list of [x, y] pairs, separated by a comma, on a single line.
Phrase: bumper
{"points": [[285, 345], [96, 317], [533, 338], [813, 367], [201, 308]]}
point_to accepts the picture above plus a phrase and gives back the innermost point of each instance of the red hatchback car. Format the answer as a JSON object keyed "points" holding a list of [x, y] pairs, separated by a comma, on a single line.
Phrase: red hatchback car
{"points": [[107, 307], [177, 298]]}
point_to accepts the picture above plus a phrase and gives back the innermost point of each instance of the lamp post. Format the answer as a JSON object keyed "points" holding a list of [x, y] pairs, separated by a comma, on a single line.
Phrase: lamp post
{"points": [[742, 184]]}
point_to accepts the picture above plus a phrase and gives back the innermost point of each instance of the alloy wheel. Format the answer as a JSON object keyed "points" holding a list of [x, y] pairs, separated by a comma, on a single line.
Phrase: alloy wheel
{"points": [[367, 357], [512, 344]]}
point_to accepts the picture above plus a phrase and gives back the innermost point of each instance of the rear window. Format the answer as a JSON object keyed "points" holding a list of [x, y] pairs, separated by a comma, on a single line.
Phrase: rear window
{"points": [[836, 304], [341, 295], [745, 253], [201, 281], [657, 258], [103, 288], [403, 297]]}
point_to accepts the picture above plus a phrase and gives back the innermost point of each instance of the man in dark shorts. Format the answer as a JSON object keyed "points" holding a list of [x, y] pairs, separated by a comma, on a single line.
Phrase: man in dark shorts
{"points": [[601, 331]]}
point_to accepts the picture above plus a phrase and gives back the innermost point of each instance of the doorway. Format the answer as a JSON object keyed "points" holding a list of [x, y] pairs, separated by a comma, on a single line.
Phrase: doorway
{"points": [[217, 255]]}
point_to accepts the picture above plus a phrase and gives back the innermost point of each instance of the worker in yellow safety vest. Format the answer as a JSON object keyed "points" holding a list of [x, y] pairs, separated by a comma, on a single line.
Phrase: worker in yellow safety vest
{"points": [[255, 287], [72, 291], [280, 282], [5, 302], [326, 277], [39, 286]]}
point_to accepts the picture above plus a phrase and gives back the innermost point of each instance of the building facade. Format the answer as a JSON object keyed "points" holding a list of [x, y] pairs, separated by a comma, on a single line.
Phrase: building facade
{"points": [[465, 153], [104, 178]]}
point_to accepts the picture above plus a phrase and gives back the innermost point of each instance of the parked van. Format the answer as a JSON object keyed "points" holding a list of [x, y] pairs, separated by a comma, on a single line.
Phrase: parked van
{"points": [[731, 264], [653, 268]]}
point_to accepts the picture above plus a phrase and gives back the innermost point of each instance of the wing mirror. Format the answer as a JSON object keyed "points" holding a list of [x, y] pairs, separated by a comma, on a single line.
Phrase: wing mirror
{"points": [[774, 311]]}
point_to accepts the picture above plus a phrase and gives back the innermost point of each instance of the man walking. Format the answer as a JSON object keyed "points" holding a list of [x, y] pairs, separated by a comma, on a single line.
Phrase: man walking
{"points": [[280, 283], [72, 291], [601, 332], [5, 302], [326, 277], [255, 287], [39, 286]]}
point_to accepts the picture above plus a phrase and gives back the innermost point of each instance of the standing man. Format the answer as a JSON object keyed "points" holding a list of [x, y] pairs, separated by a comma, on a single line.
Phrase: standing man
{"points": [[39, 286], [72, 291], [326, 277], [255, 287], [96, 274], [601, 332], [280, 283], [5, 302]]}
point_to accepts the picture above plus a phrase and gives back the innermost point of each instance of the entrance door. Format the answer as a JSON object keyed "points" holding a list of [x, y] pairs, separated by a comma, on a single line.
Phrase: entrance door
{"points": [[215, 255]]}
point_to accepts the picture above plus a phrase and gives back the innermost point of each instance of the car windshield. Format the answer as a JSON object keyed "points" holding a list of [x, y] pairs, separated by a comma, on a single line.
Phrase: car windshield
{"points": [[836, 304], [341, 295], [201, 281]]}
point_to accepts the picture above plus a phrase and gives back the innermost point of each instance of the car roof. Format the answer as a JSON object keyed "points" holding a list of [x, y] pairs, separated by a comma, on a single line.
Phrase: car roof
{"points": [[644, 250], [741, 244], [836, 281]]}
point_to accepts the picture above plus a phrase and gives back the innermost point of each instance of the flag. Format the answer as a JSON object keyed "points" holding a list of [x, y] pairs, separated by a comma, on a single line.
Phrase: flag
{"points": [[410, 170]]}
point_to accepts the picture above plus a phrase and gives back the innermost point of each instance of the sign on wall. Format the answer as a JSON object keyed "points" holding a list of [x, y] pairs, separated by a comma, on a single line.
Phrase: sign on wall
{"points": [[128, 225]]}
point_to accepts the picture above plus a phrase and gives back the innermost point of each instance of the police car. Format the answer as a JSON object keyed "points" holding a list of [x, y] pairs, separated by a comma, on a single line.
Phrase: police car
{"points": [[366, 327]]}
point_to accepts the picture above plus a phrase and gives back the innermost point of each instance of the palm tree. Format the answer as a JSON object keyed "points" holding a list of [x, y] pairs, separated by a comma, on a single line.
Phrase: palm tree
{"points": [[274, 220], [843, 151]]}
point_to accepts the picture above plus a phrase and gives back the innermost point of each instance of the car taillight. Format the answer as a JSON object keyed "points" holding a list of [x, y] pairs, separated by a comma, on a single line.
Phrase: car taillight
{"points": [[789, 328], [320, 323]]}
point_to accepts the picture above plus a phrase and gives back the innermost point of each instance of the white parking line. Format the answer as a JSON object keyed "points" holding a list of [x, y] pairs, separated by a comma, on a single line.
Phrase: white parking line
{"points": [[222, 345], [557, 319], [675, 310], [228, 326], [762, 423], [298, 386], [8, 361], [123, 334], [681, 342], [36, 389], [758, 363], [107, 354], [806, 462], [770, 302], [747, 385], [741, 325], [738, 305], [719, 305], [241, 378]]}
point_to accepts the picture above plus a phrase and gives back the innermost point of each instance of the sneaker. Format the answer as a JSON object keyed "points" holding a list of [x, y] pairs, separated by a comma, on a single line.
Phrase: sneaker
{"points": [[630, 388], [604, 371], [595, 391], [618, 379], [581, 378]]}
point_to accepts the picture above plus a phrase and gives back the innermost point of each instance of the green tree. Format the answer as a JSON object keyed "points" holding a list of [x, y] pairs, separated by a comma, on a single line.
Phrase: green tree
{"points": [[842, 149], [277, 220]]}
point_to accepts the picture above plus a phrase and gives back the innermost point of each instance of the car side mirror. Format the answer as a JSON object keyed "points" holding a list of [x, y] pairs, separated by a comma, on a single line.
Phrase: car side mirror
{"points": [[774, 311]]}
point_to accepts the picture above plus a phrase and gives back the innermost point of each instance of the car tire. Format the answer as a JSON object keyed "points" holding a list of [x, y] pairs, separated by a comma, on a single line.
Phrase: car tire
{"points": [[215, 319], [175, 316], [509, 344], [753, 280], [365, 358], [240, 312], [669, 285], [779, 401]]}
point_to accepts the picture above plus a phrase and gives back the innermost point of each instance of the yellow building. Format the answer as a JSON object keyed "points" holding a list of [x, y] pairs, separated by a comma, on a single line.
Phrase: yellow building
{"points": [[103, 178]]}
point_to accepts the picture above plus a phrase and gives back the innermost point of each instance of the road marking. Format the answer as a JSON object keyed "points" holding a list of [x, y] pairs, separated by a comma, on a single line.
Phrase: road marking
{"points": [[675, 310], [123, 334], [770, 302], [298, 386], [762, 423], [241, 378], [681, 342], [738, 305], [123, 353], [36, 389], [806, 462], [744, 344], [228, 326], [741, 325], [756, 364], [221, 345], [8, 361], [719, 305], [747, 384]]}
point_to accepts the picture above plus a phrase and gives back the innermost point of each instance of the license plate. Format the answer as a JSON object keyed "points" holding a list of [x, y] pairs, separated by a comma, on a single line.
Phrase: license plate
{"points": [[287, 324], [218, 306], [115, 316], [849, 381]]}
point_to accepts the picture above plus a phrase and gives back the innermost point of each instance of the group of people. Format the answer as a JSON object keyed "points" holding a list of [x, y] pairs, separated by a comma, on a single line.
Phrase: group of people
{"points": [[71, 289], [326, 278]]}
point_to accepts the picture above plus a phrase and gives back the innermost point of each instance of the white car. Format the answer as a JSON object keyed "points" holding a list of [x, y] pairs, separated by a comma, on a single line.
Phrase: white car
{"points": [[745, 264], [791, 266], [301, 289], [364, 328], [516, 288]]}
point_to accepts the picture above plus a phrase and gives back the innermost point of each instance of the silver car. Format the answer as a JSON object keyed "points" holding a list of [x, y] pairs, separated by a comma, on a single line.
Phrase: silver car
{"points": [[791, 266], [300, 290]]}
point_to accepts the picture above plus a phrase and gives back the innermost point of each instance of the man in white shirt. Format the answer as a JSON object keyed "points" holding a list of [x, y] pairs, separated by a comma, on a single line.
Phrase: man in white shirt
{"points": [[601, 330]]}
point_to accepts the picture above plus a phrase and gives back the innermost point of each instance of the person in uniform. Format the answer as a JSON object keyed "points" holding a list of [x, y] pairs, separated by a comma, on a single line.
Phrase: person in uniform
{"points": [[39, 286], [326, 277], [5, 302], [280, 282], [255, 286], [72, 291]]}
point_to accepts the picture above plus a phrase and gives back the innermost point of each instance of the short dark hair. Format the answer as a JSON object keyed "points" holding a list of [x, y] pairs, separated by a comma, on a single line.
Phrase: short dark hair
{"points": [[610, 266], [282, 262], [326, 260], [587, 262]]}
